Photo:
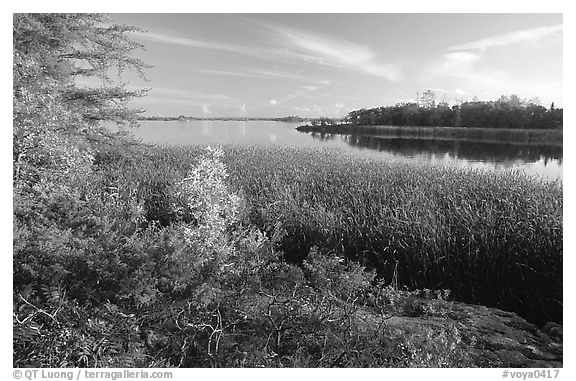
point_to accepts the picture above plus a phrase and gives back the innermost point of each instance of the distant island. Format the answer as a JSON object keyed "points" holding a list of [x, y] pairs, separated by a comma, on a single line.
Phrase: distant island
{"points": [[240, 118], [507, 112]]}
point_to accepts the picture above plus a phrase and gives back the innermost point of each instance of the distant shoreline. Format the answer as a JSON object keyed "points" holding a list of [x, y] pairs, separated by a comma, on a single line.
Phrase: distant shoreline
{"points": [[290, 119], [552, 137]]}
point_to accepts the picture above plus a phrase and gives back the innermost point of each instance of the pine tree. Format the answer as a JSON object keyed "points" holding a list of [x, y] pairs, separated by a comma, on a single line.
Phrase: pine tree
{"points": [[53, 54]]}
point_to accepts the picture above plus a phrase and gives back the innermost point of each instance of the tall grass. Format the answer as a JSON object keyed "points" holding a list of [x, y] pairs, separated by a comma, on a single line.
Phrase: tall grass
{"points": [[492, 238]]}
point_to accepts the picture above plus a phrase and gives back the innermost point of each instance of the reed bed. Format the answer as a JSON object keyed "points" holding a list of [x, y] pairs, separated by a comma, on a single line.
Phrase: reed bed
{"points": [[492, 238]]}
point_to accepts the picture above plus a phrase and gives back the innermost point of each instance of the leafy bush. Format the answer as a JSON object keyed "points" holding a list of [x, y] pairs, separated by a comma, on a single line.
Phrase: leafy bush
{"points": [[101, 286]]}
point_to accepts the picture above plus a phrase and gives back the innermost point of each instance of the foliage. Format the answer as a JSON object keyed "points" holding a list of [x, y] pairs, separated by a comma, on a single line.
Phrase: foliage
{"points": [[506, 112], [493, 238], [55, 115], [98, 284], [130, 255], [52, 51]]}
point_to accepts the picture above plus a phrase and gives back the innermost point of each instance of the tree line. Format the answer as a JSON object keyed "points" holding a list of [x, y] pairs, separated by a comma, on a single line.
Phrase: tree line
{"points": [[505, 112]]}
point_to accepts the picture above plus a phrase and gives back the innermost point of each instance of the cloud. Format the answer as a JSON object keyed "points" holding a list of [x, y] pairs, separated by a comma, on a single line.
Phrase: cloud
{"points": [[463, 67], [160, 95], [467, 65], [283, 54], [190, 42], [228, 73], [274, 54], [334, 52], [458, 60], [517, 37], [303, 91], [318, 110], [464, 71], [334, 110], [303, 47], [273, 101], [185, 94], [250, 73], [337, 109], [243, 109], [279, 75], [206, 109]]}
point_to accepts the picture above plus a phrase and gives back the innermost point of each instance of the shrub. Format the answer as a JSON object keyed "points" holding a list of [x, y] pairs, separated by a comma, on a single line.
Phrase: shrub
{"points": [[96, 283]]}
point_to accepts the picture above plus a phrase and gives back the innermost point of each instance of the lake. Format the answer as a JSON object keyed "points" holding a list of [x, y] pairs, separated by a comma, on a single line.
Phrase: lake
{"points": [[538, 160]]}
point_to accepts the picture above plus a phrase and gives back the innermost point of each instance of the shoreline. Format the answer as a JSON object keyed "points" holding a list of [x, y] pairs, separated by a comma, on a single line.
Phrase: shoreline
{"points": [[288, 119], [519, 136]]}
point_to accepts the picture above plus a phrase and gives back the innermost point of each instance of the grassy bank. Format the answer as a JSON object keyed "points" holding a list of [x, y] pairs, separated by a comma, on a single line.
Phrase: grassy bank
{"points": [[491, 238], [498, 135], [147, 256]]}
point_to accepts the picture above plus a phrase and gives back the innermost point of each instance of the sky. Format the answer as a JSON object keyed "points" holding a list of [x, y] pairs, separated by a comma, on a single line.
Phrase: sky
{"points": [[311, 65]]}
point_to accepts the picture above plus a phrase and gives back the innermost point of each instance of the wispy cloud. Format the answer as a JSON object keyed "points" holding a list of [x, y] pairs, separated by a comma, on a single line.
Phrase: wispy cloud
{"points": [[457, 61], [304, 91], [338, 108], [339, 53], [206, 109], [468, 66], [267, 75], [178, 96], [307, 47], [229, 73], [463, 66], [296, 47], [467, 71], [286, 54], [517, 37], [311, 87], [279, 75], [194, 43], [266, 53]]}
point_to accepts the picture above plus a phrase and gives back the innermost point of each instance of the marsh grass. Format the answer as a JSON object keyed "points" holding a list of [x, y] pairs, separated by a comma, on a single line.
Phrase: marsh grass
{"points": [[258, 257], [492, 238]]}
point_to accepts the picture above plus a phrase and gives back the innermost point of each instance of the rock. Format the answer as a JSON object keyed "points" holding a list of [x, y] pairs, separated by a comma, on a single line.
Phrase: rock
{"points": [[553, 330], [492, 337]]}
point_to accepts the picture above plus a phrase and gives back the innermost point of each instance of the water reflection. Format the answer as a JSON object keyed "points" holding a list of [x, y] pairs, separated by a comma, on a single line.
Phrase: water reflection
{"points": [[539, 159], [468, 150], [220, 132]]}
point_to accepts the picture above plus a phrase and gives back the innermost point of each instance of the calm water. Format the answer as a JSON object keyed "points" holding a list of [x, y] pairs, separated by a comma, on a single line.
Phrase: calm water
{"points": [[539, 160]]}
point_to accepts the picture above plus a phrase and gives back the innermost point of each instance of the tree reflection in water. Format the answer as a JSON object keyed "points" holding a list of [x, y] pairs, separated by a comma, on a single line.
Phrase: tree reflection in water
{"points": [[470, 150]]}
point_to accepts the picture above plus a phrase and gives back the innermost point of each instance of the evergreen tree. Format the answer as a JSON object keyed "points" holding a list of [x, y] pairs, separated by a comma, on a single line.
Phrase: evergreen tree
{"points": [[53, 54]]}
